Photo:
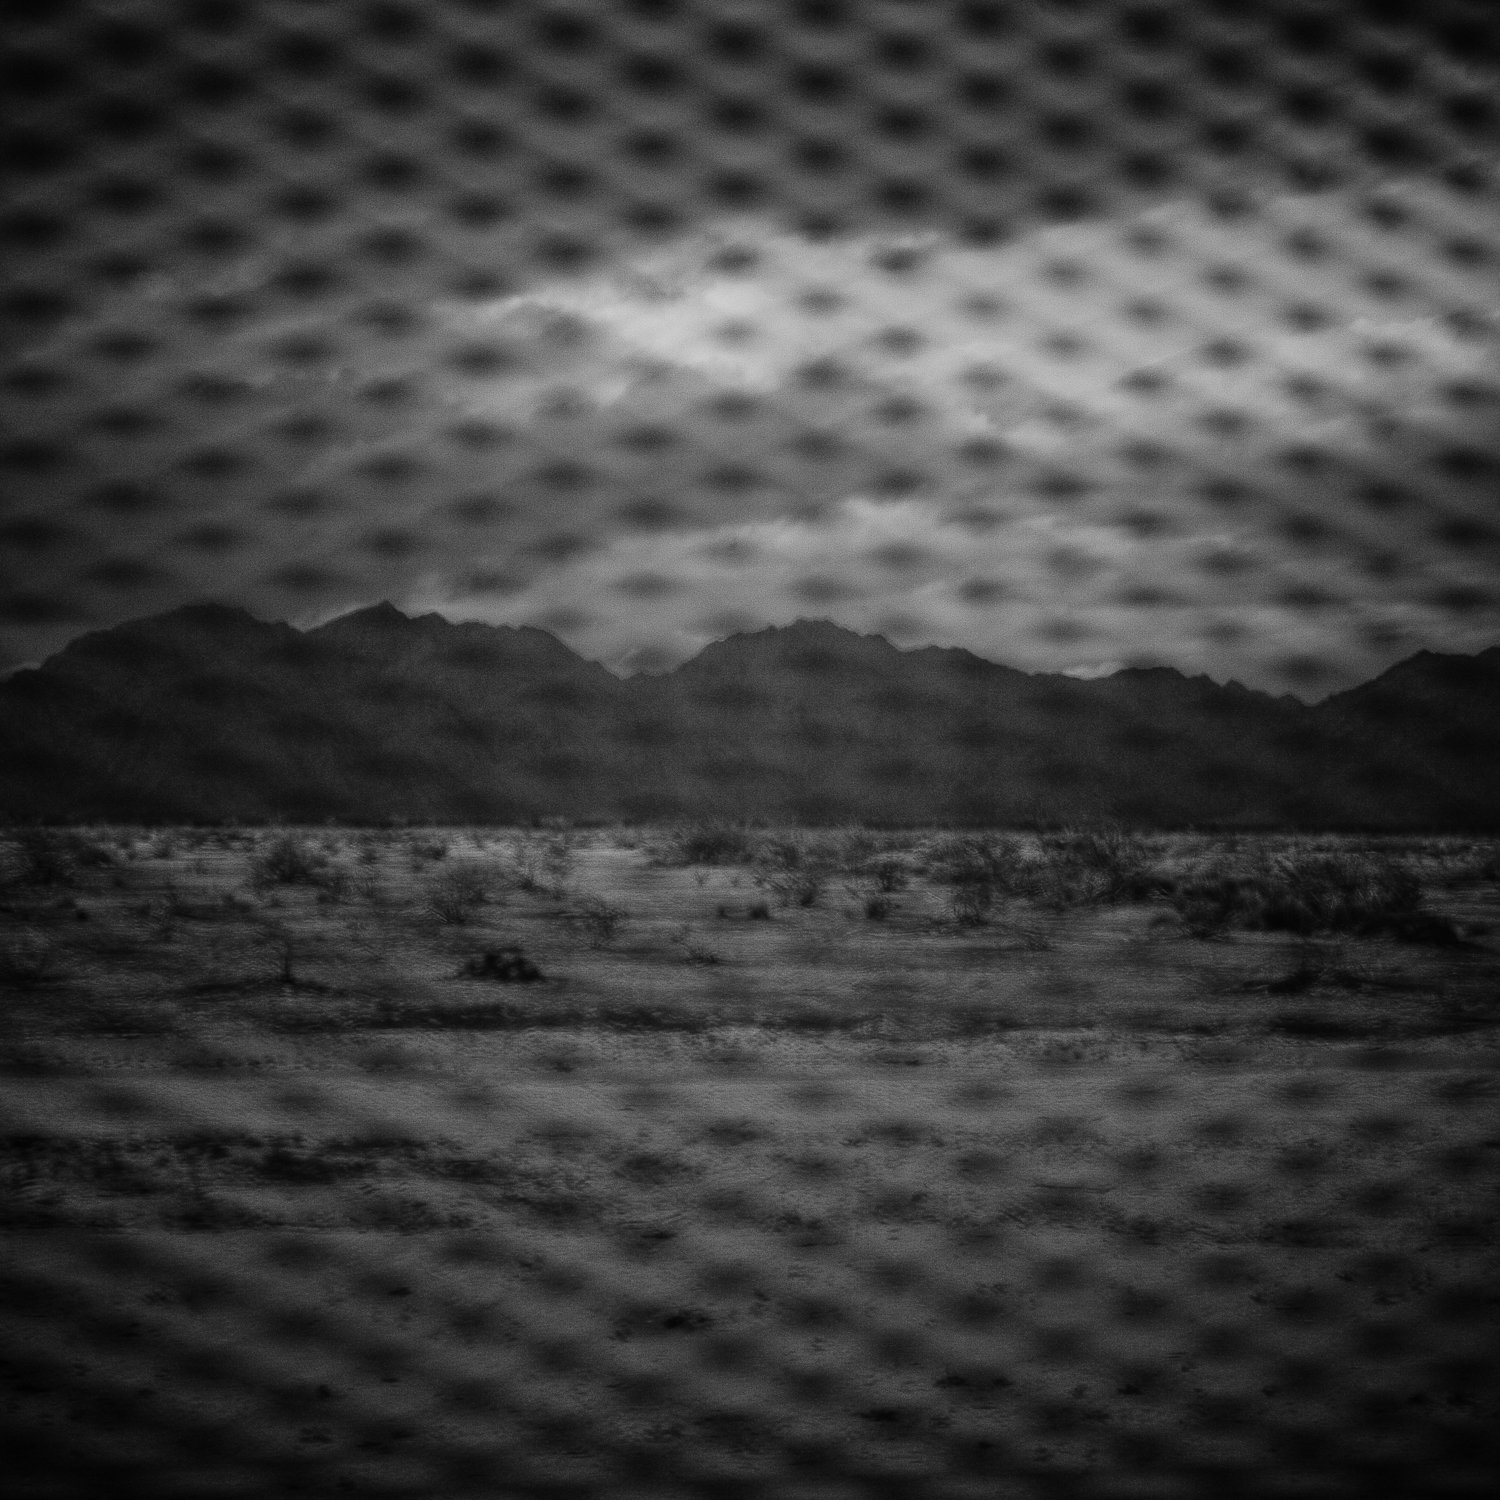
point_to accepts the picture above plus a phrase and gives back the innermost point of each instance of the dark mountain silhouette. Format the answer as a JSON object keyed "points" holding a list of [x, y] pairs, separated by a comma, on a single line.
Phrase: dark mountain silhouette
{"points": [[209, 714]]}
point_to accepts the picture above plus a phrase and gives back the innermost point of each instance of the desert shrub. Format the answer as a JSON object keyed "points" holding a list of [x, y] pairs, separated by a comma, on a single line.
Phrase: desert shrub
{"points": [[1209, 903], [889, 872], [44, 858], [448, 905], [477, 879], [1339, 893], [290, 1159], [459, 891], [795, 869], [873, 879], [709, 843], [544, 862], [1314, 1026], [1479, 866], [427, 851], [507, 965], [597, 919], [759, 911], [1059, 870], [55, 856], [282, 942], [857, 847], [559, 853], [685, 940], [335, 886], [175, 905], [288, 860], [88, 852], [1091, 866], [960, 857], [977, 869], [27, 960], [1307, 892], [970, 903]]}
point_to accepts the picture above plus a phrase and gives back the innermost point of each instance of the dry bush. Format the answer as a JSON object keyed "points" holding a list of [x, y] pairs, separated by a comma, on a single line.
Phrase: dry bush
{"points": [[707, 843], [544, 862], [27, 960], [507, 964], [1102, 864], [288, 860], [1305, 892], [335, 886], [794, 869], [1087, 867], [54, 856], [874, 874], [1474, 866], [459, 891], [598, 920], [977, 868], [427, 851], [890, 872]]}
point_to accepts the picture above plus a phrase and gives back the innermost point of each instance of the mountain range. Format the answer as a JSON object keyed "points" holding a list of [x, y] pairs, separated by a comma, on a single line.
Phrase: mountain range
{"points": [[208, 714]]}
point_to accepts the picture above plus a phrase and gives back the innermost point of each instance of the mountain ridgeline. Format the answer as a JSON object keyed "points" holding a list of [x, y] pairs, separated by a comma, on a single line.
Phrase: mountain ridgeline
{"points": [[207, 714]]}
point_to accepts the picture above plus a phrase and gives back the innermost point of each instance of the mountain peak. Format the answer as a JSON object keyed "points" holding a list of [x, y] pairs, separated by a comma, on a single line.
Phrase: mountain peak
{"points": [[208, 712], [381, 616], [206, 615], [820, 641]]}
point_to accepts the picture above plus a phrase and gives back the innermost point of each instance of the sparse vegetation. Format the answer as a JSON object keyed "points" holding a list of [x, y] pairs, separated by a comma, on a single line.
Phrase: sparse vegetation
{"points": [[1020, 1079], [52, 857], [288, 860], [1103, 864], [457, 892], [427, 851], [597, 919], [694, 952], [27, 959], [795, 868], [1307, 892], [507, 964], [544, 862], [707, 844], [977, 870]]}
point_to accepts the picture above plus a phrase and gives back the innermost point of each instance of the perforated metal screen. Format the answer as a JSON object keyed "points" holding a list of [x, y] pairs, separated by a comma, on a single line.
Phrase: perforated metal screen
{"points": [[1081, 334], [1075, 334]]}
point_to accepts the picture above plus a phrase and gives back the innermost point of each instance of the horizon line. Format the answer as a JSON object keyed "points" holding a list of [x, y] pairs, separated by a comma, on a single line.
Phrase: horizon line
{"points": [[1080, 675]]}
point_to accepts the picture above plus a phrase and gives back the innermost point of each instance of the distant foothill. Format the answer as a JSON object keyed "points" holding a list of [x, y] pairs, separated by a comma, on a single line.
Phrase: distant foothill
{"points": [[208, 714]]}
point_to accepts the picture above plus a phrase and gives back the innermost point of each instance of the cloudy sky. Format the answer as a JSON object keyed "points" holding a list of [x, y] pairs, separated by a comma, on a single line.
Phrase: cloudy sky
{"points": [[1078, 335]]}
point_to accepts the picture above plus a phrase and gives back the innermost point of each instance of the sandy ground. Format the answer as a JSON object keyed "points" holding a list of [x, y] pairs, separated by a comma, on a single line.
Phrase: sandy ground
{"points": [[1070, 1198]]}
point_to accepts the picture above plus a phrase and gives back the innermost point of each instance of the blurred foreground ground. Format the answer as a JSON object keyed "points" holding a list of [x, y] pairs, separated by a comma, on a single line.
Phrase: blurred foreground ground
{"points": [[1061, 1199]]}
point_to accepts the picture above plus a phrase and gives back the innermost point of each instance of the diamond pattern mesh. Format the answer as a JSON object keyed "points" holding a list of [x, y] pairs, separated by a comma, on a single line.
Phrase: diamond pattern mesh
{"points": [[1082, 334]]}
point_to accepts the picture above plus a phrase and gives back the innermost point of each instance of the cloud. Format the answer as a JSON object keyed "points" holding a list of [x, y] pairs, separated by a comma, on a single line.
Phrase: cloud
{"points": [[1040, 592], [1166, 435]]}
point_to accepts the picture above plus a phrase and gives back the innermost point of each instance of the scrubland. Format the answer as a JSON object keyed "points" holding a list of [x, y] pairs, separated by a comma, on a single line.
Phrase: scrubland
{"points": [[406, 1161]]}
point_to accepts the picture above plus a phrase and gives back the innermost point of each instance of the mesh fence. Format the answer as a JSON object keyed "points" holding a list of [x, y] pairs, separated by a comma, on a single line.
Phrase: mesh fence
{"points": [[1169, 321], [1085, 334]]}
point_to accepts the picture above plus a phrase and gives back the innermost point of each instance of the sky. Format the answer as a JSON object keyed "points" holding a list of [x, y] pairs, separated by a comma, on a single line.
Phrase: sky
{"points": [[1079, 335]]}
